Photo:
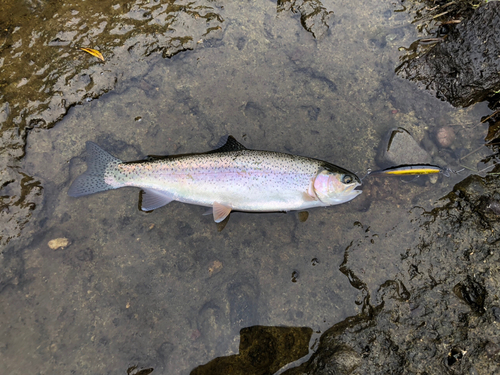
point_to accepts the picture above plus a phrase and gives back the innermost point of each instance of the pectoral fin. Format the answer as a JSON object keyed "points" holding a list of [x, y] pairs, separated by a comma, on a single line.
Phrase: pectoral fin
{"points": [[220, 212], [309, 196], [152, 199]]}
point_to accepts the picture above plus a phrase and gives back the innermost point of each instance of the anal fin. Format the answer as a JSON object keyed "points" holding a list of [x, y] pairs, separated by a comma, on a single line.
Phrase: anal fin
{"points": [[220, 212], [152, 199]]}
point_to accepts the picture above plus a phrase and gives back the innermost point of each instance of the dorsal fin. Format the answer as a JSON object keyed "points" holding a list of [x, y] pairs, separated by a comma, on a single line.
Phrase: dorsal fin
{"points": [[231, 145]]}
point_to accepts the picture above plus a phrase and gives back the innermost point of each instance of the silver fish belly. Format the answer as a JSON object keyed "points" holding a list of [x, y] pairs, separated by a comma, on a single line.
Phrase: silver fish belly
{"points": [[231, 178]]}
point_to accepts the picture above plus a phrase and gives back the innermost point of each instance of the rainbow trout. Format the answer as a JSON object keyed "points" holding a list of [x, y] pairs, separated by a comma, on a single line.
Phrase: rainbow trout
{"points": [[230, 178]]}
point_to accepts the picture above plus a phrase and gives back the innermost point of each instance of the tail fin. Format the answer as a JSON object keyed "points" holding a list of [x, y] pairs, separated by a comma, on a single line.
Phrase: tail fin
{"points": [[99, 163]]}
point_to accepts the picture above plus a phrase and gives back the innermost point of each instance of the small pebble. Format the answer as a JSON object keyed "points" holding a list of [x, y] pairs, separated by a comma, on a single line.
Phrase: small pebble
{"points": [[58, 243], [215, 267], [445, 136], [399, 147]]}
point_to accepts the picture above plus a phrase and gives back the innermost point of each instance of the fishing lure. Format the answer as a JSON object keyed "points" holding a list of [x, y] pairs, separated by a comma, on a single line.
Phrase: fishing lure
{"points": [[412, 170]]}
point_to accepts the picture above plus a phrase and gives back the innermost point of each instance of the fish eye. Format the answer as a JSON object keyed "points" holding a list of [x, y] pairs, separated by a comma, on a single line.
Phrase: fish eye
{"points": [[346, 179]]}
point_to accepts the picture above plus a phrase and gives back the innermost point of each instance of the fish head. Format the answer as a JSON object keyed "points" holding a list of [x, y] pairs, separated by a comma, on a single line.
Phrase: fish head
{"points": [[336, 186]]}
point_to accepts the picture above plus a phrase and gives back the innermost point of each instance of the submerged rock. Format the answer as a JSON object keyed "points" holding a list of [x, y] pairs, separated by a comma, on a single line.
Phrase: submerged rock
{"points": [[444, 136], [399, 147]]}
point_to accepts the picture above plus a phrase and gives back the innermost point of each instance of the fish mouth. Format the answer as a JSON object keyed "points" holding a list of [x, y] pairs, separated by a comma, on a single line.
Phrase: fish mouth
{"points": [[351, 192], [353, 189]]}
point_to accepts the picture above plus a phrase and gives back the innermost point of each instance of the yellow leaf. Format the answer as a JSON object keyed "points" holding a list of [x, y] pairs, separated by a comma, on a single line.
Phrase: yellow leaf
{"points": [[93, 52]]}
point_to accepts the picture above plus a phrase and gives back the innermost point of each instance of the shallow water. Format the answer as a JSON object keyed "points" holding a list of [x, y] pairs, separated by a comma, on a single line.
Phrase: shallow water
{"points": [[165, 290]]}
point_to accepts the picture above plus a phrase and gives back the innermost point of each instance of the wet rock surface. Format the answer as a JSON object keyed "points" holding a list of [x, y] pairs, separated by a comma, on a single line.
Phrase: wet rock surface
{"points": [[440, 316], [462, 68]]}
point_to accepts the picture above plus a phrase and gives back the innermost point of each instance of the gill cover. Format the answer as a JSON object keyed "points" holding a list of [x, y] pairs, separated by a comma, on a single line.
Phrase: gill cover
{"points": [[336, 187]]}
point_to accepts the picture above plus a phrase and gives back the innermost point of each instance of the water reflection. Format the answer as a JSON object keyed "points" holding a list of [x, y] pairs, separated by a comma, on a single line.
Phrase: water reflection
{"points": [[47, 73], [263, 350]]}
